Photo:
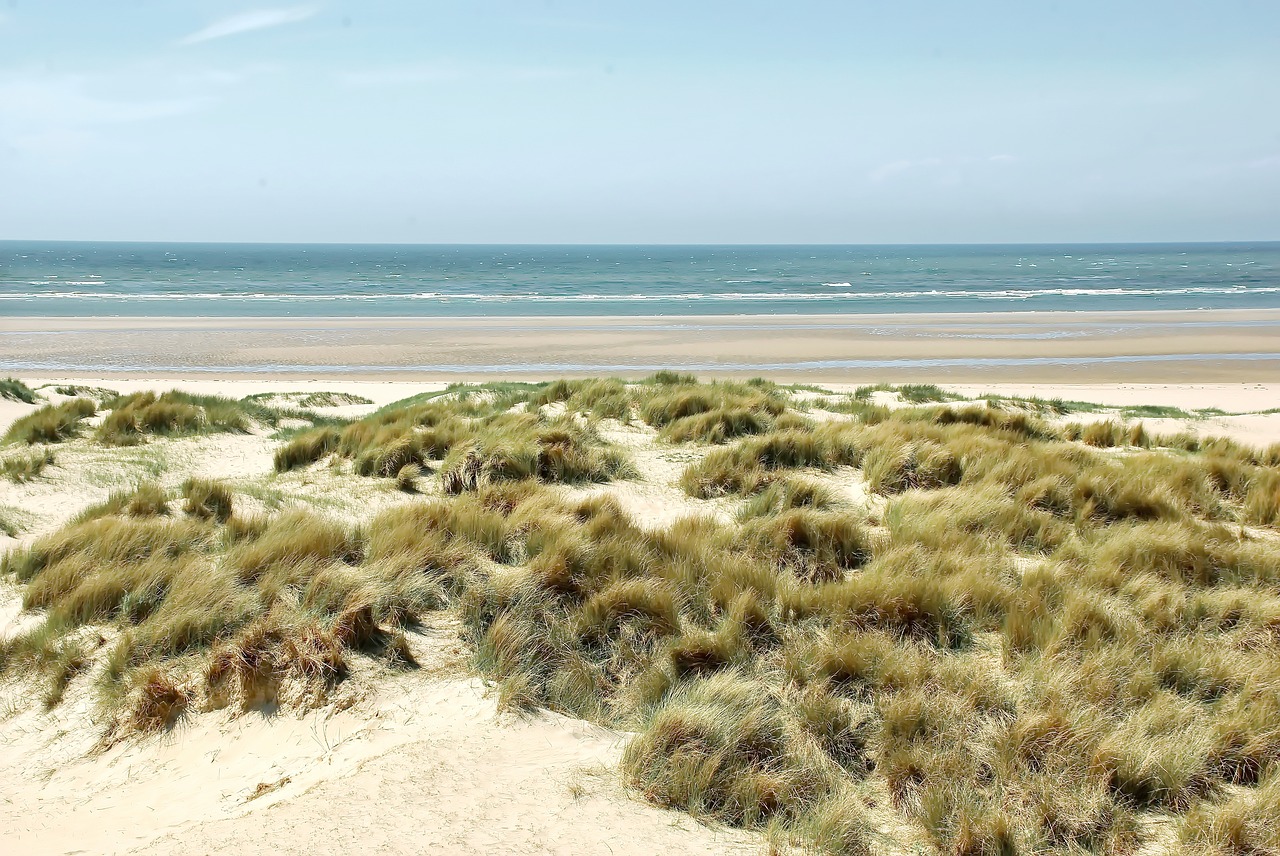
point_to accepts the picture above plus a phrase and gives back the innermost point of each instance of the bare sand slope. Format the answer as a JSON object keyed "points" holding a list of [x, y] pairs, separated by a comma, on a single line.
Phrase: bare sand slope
{"points": [[424, 764]]}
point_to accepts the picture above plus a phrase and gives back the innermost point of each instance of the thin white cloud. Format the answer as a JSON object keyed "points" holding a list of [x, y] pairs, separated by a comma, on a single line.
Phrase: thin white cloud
{"points": [[247, 22]]}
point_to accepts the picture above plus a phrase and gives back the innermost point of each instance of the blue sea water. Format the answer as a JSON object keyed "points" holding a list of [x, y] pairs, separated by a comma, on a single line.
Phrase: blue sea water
{"points": [[95, 279]]}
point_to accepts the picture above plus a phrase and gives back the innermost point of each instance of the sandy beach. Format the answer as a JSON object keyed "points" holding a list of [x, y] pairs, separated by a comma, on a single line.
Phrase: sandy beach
{"points": [[1047, 347]]}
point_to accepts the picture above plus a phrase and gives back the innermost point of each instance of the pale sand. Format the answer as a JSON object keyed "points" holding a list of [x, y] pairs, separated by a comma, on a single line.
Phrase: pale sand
{"points": [[1218, 346], [420, 763]]}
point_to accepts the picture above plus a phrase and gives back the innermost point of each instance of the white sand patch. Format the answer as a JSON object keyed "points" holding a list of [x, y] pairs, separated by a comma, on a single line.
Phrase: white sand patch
{"points": [[656, 499], [850, 485], [12, 411]]}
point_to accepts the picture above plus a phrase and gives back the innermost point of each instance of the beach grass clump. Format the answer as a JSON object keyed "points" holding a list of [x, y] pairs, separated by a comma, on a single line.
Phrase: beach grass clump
{"points": [[909, 393], [268, 608], [682, 409], [475, 439], [753, 463], [815, 545], [330, 399], [207, 499], [920, 465], [146, 499], [53, 423], [20, 469], [1241, 825], [158, 701], [711, 413], [1108, 434], [604, 398], [11, 521], [718, 748], [306, 448], [132, 418], [785, 493], [15, 390], [518, 447]]}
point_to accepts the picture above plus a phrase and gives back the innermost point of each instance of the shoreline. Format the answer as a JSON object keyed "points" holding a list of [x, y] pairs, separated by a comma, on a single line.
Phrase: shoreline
{"points": [[1027, 347]]}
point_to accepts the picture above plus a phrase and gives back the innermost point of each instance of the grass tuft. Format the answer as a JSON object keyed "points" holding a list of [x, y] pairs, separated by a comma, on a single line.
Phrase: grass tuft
{"points": [[20, 469], [207, 499], [52, 423], [15, 390]]}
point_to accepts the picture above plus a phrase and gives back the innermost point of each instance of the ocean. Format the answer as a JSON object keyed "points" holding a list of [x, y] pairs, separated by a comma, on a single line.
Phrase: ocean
{"points": [[135, 279]]}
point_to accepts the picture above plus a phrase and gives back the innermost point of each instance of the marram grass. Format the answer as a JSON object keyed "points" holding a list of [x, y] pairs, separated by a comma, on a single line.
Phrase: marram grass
{"points": [[1033, 637]]}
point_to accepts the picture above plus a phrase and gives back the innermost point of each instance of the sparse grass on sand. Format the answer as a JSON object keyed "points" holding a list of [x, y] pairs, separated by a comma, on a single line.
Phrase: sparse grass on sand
{"points": [[26, 467], [1033, 638], [308, 400]]}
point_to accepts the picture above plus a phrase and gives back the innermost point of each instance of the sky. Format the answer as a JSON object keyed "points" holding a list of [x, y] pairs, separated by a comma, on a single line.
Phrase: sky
{"points": [[444, 121]]}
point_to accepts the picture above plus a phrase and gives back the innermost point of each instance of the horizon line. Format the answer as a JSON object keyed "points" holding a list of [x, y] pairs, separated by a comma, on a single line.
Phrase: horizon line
{"points": [[640, 243]]}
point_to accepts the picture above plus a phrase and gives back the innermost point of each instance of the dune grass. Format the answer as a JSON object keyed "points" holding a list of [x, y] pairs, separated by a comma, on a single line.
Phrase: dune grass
{"points": [[99, 394], [15, 390], [308, 400], [682, 409], [52, 423], [26, 467], [911, 393], [133, 418], [1028, 641], [472, 440]]}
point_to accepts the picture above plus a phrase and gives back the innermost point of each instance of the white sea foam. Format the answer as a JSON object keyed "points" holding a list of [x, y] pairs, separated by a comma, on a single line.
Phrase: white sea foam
{"points": [[1008, 294]]}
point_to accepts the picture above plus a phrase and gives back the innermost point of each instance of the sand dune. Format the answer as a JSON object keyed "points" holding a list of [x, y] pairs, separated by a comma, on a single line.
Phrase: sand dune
{"points": [[422, 764], [418, 762]]}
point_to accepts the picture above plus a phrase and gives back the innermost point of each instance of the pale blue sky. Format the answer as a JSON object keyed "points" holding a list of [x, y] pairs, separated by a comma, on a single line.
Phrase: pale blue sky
{"points": [[862, 121]]}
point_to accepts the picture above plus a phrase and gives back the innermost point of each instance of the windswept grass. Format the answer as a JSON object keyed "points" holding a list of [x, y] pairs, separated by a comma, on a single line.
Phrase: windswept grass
{"points": [[911, 393], [27, 467], [472, 442], [52, 423], [682, 409], [147, 499], [514, 448], [15, 390], [1029, 639], [97, 394], [207, 499], [752, 464], [133, 418], [304, 400]]}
